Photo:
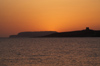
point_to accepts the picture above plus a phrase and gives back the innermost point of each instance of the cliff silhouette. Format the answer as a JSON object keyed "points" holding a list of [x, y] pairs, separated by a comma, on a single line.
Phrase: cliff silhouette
{"points": [[32, 34], [81, 33]]}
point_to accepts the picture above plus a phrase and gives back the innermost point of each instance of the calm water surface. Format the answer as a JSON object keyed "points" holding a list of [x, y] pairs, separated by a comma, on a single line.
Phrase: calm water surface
{"points": [[49, 51]]}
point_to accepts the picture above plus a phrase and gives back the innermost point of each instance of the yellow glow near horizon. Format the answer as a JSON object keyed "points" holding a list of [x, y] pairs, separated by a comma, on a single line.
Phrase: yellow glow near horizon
{"points": [[48, 15]]}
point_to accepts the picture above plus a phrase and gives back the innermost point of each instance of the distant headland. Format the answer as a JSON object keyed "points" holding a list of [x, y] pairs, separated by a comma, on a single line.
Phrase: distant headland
{"points": [[32, 34], [81, 33]]}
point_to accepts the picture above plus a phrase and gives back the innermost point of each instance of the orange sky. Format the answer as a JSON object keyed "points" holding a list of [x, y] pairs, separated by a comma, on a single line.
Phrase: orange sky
{"points": [[48, 15]]}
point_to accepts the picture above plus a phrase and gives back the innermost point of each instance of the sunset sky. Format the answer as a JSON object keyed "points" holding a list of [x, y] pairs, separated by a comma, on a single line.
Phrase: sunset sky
{"points": [[48, 15]]}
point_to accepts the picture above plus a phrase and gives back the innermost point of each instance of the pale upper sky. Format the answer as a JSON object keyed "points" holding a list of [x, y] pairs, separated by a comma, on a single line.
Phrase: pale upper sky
{"points": [[48, 15]]}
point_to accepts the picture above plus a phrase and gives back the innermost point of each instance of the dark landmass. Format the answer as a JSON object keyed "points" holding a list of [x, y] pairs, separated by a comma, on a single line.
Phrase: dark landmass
{"points": [[32, 34], [82, 33]]}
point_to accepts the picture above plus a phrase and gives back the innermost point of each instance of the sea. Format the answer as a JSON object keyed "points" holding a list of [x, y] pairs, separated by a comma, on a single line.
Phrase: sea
{"points": [[50, 51]]}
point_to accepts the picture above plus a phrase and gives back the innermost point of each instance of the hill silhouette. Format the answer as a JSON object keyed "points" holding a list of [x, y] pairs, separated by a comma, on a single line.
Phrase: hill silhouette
{"points": [[81, 33], [32, 34]]}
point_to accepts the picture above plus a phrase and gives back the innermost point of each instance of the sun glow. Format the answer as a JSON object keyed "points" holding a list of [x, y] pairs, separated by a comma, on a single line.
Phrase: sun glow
{"points": [[48, 15]]}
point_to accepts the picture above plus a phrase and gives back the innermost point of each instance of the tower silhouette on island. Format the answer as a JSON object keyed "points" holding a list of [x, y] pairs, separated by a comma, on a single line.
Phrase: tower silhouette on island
{"points": [[87, 28]]}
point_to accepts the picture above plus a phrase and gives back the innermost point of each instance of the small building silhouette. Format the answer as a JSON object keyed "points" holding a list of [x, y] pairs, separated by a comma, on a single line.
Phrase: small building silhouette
{"points": [[87, 28]]}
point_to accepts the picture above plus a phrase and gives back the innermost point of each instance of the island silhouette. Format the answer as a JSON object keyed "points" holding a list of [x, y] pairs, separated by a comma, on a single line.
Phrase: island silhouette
{"points": [[81, 33]]}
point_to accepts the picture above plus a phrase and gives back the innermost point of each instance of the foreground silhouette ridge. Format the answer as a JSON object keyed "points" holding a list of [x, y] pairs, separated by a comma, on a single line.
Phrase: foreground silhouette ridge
{"points": [[82, 33]]}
